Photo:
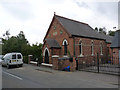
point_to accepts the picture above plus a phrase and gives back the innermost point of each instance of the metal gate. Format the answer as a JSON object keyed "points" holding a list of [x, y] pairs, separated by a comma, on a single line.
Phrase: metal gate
{"points": [[99, 65]]}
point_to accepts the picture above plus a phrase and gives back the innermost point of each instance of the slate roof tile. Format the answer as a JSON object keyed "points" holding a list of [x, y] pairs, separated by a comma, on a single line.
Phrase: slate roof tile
{"points": [[77, 28]]}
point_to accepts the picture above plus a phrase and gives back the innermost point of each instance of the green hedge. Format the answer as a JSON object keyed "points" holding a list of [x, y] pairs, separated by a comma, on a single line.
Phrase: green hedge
{"points": [[25, 59]]}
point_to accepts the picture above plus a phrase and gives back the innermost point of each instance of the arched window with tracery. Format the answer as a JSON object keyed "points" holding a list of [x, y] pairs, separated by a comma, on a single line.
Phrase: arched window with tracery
{"points": [[65, 43]]}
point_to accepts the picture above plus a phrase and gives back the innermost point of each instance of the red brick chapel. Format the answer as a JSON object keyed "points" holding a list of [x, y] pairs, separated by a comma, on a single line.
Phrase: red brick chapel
{"points": [[70, 38]]}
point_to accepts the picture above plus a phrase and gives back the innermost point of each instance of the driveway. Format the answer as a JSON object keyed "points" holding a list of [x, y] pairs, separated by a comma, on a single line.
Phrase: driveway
{"points": [[31, 76]]}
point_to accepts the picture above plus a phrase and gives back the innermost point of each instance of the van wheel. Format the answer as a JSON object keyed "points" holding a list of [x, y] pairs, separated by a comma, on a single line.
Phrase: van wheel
{"points": [[2, 65], [17, 66], [8, 66], [21, 65]]}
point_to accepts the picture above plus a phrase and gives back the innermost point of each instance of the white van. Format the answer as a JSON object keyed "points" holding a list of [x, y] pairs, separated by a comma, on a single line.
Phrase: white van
{"points": [[11, 59]]}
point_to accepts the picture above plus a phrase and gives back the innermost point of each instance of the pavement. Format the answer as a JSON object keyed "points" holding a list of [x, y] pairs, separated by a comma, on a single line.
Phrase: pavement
{"points": [[31, 76], [109, 78], [104, 68]]}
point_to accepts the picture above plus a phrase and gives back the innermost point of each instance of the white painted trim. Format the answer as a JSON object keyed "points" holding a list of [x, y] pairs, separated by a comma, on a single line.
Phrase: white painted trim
{"points": [[81, 55], [92, 54], [65, 41], [80, 40], [45, 50], [32, 62], [101, 49], [46, 64], [65, 56], [30, 55], [55, 56], [13, 75], [84, 62]]}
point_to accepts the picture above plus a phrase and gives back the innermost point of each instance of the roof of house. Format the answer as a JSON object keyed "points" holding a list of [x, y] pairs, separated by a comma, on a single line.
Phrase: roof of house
{"points": [[76, 28], [52, 43], [116, 40]]}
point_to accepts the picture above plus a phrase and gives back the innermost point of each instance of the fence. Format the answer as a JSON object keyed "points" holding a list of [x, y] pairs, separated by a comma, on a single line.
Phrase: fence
{"points": [[99, 65]]}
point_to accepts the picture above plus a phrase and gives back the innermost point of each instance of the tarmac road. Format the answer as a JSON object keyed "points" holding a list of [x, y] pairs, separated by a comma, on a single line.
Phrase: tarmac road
{"points": [[30, 76]]}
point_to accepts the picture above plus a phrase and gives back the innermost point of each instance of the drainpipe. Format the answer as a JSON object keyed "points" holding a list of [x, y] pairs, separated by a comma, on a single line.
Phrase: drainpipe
{"points": [[112, 56]]}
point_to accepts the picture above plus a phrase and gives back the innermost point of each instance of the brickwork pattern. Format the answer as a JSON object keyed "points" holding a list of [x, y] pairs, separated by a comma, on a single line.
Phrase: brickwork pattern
{"points": [[115, 55], [58, 32]]}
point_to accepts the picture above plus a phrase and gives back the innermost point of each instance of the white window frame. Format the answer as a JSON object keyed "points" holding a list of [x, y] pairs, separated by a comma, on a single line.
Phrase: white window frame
{"points": [[63, 45], [45, 51], [101, 49], [81, 53], [65, 41]]}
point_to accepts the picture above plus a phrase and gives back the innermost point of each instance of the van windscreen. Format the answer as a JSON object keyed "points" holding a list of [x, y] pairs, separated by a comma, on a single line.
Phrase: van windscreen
{"points": [[14, 56], [19, 56]]}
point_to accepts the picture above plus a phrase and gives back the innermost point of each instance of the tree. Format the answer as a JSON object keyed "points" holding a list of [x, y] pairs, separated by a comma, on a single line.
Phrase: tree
{"points": [[111, 33], [6, 34], [96, 29], [14, 44], [104, 30], [37, 51], [20, 44], [10, 45], [101, 30]]}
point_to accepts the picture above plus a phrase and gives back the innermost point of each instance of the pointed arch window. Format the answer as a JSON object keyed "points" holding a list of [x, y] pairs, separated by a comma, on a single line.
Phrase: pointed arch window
{"points": [[101, 49], [80, 47], [65, 43], [92, 48], [65, 48]]}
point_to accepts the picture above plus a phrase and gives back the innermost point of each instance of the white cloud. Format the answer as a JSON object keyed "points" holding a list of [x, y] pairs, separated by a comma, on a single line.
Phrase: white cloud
{"points": [[34, 16]]}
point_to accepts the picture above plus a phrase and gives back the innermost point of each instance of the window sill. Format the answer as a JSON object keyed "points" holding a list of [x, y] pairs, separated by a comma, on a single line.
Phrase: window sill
{"points": [[45, 64], [65, 56], [55, 56], [81, 55]]}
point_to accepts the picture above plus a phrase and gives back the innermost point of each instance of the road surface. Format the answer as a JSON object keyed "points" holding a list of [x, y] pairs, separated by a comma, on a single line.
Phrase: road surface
{"points": [[30, 76]]}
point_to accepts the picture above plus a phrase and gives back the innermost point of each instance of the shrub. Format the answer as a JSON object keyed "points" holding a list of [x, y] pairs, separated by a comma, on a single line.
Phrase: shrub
{"points": [[25, 59]]}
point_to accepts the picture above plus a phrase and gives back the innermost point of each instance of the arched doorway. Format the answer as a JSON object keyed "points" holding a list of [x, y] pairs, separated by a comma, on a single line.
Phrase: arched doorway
{"points": [[46, 56]]}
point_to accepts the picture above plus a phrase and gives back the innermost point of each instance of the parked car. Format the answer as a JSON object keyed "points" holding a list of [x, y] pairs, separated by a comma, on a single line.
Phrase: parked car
{"points": [[1, 58], [11, 59]]}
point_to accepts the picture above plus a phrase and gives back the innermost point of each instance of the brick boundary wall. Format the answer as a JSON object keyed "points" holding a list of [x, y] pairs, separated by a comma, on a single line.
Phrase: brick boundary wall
{"points": [[60, 64]]}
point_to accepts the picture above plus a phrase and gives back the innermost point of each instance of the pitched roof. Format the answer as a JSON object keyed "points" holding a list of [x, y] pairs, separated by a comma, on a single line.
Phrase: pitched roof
{"points": [[76, 28], [52, 43], [116, 40]]}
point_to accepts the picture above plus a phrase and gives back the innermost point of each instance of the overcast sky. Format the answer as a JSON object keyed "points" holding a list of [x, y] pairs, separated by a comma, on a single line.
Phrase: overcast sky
{"points": [[34, 16]]}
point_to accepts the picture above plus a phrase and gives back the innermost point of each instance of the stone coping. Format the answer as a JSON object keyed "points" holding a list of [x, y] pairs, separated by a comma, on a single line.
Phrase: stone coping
{"points": [[45, 64]]}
